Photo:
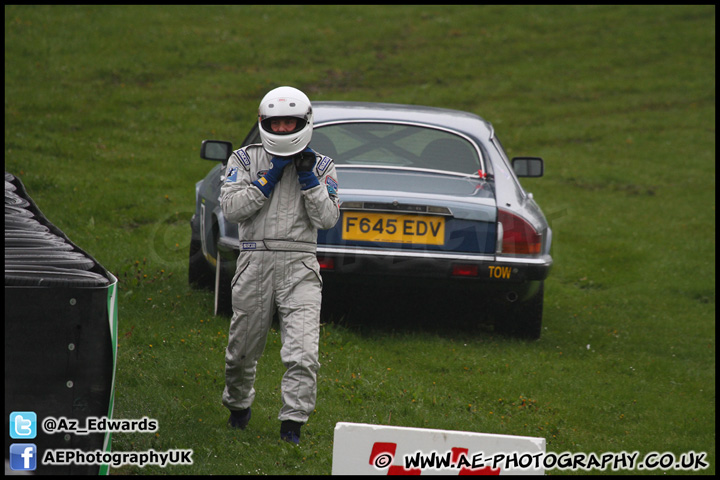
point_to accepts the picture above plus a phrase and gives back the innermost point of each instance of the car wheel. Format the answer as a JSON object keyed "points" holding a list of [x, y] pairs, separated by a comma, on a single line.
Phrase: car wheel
{"points": [[199, 272], [331, 311], [223, 291], [522, 319]]}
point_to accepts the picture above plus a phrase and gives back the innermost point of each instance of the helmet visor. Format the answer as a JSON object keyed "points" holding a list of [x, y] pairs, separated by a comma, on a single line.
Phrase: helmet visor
{"points": [[283, 125]]}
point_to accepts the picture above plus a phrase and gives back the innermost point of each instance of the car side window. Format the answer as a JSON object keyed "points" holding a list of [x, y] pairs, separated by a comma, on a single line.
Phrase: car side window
{"points": [[252, 137]]}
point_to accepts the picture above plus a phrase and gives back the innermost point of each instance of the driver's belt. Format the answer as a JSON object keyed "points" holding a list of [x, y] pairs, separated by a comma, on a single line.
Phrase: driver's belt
{"points": [[277, 246]]}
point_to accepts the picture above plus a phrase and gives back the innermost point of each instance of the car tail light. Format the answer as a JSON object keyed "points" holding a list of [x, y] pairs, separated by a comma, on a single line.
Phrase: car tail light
{"points": [[326, 263], [518, 236], [460, 270]]}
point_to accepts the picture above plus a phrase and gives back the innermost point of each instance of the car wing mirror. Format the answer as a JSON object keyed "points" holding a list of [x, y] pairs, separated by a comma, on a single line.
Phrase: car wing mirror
{"points": [[528, 166], [216, 150]]}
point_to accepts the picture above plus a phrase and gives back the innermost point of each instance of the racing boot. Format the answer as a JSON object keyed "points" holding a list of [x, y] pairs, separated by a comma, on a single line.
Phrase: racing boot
{"points": [[239, 418], [290, 431]]}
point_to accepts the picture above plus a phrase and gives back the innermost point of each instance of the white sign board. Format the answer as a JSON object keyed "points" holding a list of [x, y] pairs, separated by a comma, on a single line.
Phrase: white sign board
{"points": [[362, 449]]}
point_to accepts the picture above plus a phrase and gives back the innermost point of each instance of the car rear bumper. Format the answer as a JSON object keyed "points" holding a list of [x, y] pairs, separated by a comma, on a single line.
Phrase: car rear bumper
{"points": [[353, 262], [349, 267]]}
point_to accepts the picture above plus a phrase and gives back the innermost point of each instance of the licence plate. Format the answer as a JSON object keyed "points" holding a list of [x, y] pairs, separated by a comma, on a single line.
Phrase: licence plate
{"points": [[393, 228]]}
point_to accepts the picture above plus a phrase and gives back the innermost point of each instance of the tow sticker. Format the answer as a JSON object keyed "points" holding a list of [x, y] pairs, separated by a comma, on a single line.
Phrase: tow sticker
{"points": [[500, 272]]}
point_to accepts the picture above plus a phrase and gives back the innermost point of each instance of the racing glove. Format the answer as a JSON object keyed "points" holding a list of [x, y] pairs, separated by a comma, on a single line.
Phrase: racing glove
{"points": [[304, 163], [267, 182]]}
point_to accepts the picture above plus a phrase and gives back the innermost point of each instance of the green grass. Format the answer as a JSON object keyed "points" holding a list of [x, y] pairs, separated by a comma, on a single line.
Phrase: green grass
{"points": [[105, 108]]}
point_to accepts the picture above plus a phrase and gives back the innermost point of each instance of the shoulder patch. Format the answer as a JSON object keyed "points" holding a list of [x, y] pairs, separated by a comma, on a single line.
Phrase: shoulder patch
{"points": [[243, 157], [323, 165]]}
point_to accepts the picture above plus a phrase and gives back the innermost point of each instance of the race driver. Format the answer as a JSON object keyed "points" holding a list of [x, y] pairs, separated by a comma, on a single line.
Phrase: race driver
{"points": [[279, 192]]}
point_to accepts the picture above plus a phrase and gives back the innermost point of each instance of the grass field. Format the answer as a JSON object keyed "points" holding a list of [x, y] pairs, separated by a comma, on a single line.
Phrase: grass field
{"points": [[105, 109]]}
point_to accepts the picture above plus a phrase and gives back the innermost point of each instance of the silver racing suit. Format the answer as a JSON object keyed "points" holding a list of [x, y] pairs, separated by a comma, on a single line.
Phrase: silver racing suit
{"points": [[276, 268]]}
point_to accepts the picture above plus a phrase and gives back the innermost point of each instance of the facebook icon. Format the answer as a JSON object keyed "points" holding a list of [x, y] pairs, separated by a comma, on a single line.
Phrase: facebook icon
{"points": [[23, 456]]}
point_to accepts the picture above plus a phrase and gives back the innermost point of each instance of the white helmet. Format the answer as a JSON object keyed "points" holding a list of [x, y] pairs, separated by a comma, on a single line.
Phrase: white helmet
{"points": [[285, 102]]}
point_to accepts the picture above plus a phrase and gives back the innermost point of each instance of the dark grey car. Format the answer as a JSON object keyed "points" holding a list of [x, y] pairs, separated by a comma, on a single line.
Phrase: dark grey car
{"points": [[430, 201]]}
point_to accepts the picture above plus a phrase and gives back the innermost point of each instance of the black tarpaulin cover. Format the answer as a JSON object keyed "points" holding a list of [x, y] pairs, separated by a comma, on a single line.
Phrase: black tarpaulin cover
{"points": [[60, 332]]}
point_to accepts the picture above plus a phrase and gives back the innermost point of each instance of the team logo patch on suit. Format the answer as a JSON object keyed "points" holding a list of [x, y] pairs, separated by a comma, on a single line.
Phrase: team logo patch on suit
{"points": [[244, 159], [332, 184], [322, 166], [232, 175]]}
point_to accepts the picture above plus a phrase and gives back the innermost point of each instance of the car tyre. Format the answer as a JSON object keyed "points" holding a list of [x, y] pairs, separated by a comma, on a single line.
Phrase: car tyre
{"points": [[200, 274], [523, 319], [331, 311], [223, 291]]}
